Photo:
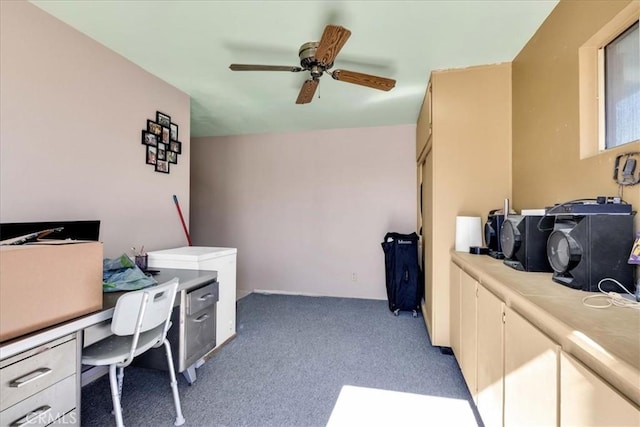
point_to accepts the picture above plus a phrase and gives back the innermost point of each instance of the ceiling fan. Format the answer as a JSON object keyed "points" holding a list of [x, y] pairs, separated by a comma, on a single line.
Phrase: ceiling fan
{"points": [[318, 58]]}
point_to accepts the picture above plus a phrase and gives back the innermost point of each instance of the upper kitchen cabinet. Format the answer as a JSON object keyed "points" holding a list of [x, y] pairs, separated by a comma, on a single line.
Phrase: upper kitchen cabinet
{"points": [[464, 158], [423, 129]]}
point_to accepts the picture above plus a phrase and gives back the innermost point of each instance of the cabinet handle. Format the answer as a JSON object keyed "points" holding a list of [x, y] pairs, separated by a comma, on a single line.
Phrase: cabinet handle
{"points": [[32, 416], [201, 319], [32, 376], [205, 296]]}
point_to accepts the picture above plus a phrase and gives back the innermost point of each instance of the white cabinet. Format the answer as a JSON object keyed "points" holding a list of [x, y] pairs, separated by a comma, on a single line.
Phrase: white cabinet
{"points": [[424, 127], [468, 336], [463, 140], [589, 401], [455, 330], [490, 357], [517, 374], [41, 385], [530, 369], [222, 260]]}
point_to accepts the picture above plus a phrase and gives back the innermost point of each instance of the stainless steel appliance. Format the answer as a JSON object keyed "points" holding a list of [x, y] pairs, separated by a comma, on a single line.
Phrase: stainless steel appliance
{"points": [[193, 332]]}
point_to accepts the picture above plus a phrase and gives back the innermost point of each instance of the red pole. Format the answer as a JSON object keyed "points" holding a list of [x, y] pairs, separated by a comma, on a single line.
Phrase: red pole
{"points": [[184, 226]]}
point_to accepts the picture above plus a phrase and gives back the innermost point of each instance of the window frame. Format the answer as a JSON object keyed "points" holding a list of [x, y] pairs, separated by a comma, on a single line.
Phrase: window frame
{"points": [[591, 81]]}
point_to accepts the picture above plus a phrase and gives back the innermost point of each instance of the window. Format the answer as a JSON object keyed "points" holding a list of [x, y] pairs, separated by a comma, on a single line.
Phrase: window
{"points": [[609, 79], [621, 85]]}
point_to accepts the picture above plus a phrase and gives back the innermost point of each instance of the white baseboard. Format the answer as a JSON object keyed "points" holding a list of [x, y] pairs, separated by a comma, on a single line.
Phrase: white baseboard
{"points": [[308, 294], [272, 292]]}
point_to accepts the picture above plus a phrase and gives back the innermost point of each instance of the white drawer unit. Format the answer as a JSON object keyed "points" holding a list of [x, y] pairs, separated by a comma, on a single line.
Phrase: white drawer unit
{"points": [[45, 407], [40, 385]]}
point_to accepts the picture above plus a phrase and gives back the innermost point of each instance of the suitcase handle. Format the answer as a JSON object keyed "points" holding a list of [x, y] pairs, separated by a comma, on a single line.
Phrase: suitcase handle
{"points": [[396, 236]]}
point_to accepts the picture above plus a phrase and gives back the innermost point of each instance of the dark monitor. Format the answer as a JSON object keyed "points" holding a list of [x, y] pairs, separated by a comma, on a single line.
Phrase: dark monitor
{"points": [[75, 230]]}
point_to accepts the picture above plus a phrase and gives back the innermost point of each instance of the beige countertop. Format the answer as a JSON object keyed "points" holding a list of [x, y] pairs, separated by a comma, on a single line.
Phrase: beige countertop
{"points": [[605, 340]]}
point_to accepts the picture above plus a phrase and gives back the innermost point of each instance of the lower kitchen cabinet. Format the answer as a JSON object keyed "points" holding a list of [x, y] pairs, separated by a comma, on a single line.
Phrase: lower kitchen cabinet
{"points": [[587, 400], [454, 312], [468, 333], [517, 374], [530, 374], [490, 357]]}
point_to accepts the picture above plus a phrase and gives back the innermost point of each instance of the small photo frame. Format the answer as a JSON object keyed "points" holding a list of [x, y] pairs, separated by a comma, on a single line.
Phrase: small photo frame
{"points": [[162, 154], [149, 138], [162, 166], [163, 119], [175, 146], [174, 132], [162, 146], [154, 128], [172, 157], [151, 155], [165, 135]]}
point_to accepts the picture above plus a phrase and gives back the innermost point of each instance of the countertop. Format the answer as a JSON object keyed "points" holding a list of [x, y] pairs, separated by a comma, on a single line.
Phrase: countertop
{"points": [[606, 340], [188, 279]]}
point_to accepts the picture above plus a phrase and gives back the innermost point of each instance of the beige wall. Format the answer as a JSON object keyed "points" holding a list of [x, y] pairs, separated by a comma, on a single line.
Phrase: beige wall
{"points": [[71, 115], [306, 210], [547, 168]]}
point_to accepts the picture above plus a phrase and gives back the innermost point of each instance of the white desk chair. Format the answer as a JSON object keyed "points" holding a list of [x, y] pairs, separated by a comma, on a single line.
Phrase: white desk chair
{"points": [[140, 322]]}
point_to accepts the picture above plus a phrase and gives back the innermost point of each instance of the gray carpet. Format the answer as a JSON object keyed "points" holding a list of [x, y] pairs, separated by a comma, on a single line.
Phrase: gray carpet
{"points": [[291, 356]]}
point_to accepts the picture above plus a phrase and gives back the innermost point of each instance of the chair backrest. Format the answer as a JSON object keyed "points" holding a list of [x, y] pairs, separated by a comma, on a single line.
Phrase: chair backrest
{"points": [[145, 309]]}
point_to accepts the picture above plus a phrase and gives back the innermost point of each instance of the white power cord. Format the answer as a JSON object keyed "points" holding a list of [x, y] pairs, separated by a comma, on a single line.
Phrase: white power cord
{"points": [[612, 298]]}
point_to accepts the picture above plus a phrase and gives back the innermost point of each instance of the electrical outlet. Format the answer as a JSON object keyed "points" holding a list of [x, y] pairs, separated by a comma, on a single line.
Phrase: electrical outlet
{"points": [[354, 277]]}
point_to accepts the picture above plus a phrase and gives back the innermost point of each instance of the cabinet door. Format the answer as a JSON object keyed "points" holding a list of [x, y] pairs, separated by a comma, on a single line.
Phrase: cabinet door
{"points": [[490, 357], [454, 310], [587, 400], [431, 295], [531, 361], [423, 128], [468, 332]]}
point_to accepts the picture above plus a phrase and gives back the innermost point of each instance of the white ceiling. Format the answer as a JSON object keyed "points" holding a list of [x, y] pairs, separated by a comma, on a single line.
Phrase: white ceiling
{"points": [[190, 44]]}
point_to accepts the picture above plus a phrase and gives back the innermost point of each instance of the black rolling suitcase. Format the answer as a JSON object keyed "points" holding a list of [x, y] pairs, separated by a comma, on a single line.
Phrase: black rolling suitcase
{"points": [[402, 272]]}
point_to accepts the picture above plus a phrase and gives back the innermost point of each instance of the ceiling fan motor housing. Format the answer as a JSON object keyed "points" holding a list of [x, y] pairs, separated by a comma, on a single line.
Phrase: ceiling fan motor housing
{"points": [[308, 61]]}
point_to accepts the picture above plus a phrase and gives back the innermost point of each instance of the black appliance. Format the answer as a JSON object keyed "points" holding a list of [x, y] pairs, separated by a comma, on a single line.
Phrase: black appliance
{"points": [[492, 234], [524, 242], [584, 249], [76, 230]]}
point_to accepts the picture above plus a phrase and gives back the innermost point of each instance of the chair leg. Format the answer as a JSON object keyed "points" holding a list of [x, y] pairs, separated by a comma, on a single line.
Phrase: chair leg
{"points": [[174, 385], [120, 380], [115, 396]]}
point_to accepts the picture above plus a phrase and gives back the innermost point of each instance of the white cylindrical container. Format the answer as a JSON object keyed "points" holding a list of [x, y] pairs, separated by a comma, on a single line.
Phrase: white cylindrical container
{"points": [[468, 232]]}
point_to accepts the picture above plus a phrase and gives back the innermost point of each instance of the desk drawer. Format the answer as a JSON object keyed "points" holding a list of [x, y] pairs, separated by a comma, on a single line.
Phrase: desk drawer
{"points": [[201, 298], [44, 407], [28, 376]]}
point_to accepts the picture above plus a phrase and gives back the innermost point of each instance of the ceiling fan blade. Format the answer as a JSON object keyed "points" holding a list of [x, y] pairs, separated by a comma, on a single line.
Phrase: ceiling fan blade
{"points": [[362, 79], [250, 67], [307, 91], [333, 38]]}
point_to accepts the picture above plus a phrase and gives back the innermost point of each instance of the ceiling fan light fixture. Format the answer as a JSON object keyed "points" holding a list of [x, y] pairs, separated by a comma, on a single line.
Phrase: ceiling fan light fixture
{"points": [[316, 71]]}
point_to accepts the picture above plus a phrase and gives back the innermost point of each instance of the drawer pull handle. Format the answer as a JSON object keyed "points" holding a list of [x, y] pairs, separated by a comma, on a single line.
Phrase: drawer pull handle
{"points": [[32, 376], [201, 318], [31, 417], [205, 296]]}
